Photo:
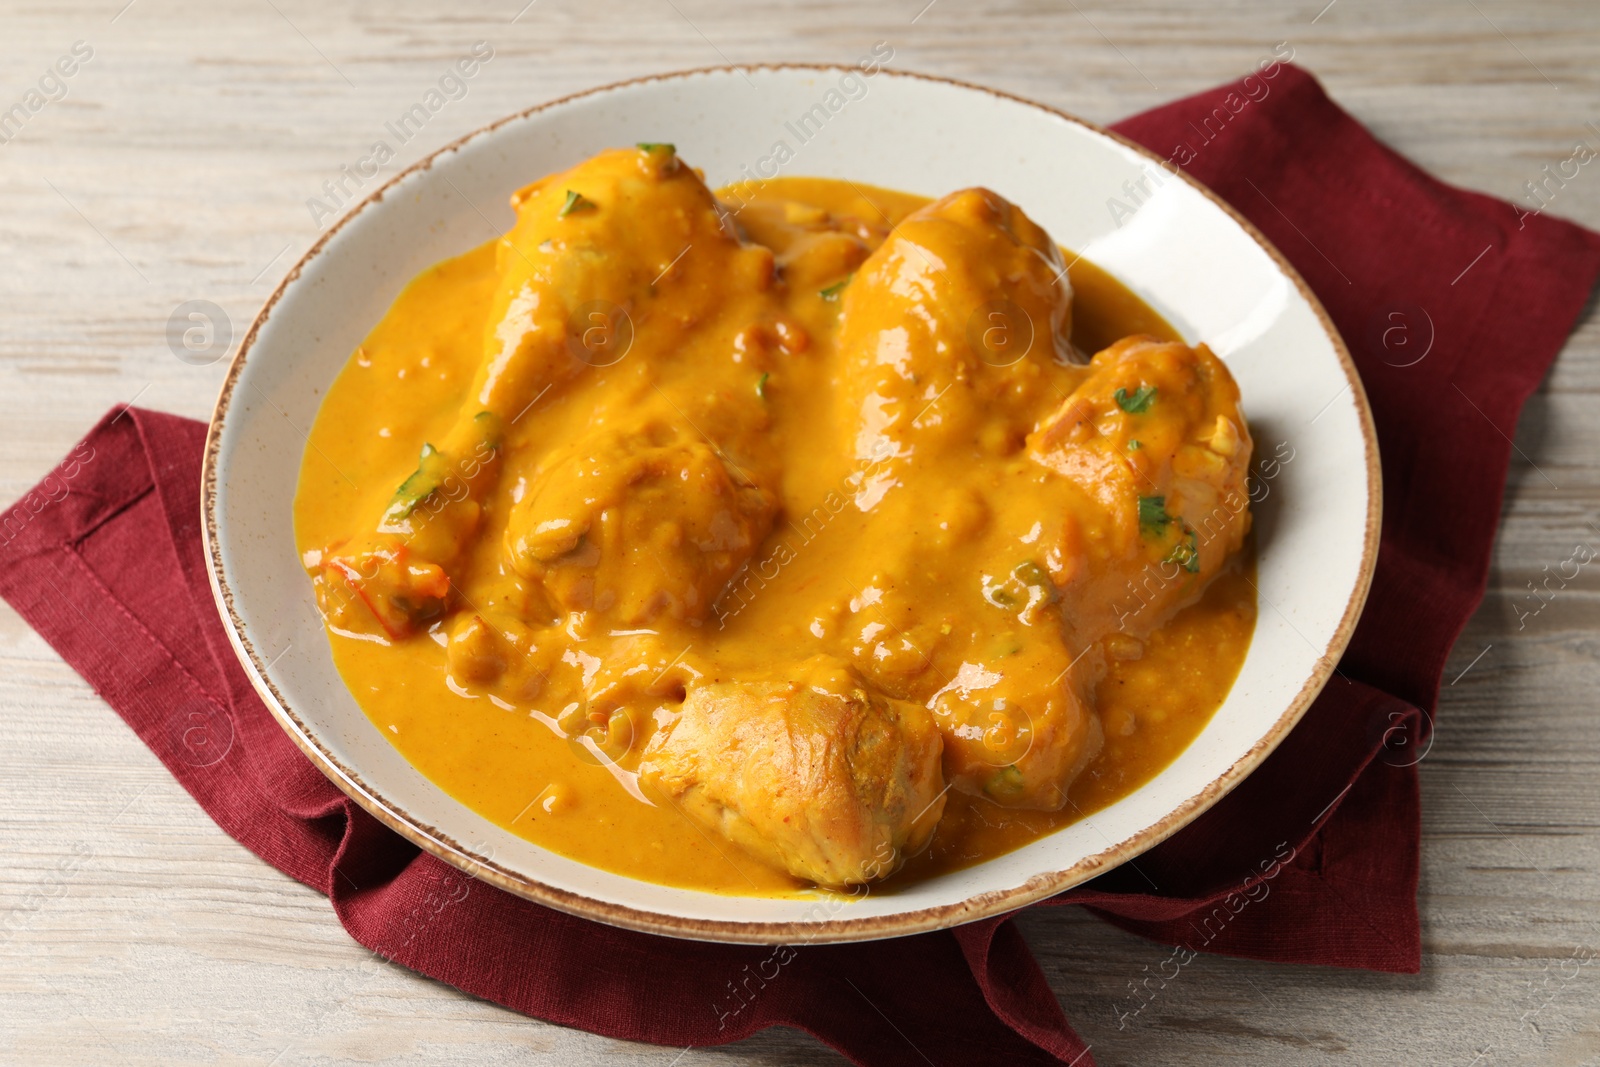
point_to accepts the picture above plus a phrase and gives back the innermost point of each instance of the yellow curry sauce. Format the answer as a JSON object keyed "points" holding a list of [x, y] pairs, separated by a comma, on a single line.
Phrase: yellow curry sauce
{"points": [[758, 463]]}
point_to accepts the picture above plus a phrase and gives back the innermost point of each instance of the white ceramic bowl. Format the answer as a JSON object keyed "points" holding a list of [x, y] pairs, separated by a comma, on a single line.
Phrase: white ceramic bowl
{"points": [[1191, 257]]}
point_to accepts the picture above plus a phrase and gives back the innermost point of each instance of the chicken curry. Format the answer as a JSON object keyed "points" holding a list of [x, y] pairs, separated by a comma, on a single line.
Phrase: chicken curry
{"points": [[779, 538]]}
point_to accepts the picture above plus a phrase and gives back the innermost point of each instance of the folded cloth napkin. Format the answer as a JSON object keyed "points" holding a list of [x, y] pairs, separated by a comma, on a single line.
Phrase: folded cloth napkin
{"points": [[1453, 304]]}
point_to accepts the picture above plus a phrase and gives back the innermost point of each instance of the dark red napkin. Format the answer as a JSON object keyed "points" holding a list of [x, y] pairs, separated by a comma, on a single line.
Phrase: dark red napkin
{"points": [[1454, 305]]}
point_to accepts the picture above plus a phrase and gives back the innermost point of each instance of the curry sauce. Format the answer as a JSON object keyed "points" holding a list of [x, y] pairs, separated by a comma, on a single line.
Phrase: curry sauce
{"points": [[781, 540]]}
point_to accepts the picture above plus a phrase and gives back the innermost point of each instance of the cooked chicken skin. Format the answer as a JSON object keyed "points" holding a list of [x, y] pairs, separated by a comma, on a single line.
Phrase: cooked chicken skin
{"points": [[954, 334], [1152, 457], [815, 774], [967, 294], [1155, 440], [597, 255], [638, 526]]}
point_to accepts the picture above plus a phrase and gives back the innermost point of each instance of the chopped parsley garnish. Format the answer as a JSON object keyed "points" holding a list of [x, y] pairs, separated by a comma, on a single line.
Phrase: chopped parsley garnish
{"points": [[1187, 553], [657, 146], [761, 386], [1025, 588], [1138, 401], [1135, 444], [434, 469], [1007, 781], [417, 487], [999, 597], [576, 201], [1036, 580], [832, 292], [1153, 517], [1030, 573]]}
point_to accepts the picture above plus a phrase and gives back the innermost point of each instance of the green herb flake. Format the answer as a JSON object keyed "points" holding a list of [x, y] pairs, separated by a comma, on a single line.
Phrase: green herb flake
{"points": [[1135, 444], [657, 146], [1153, 517], [761, 386], [1006, 782], [1030, 573], [1186, 553], [417, 487], [832, 292], [490, 428], [1137, 402], [1000, 597], [576, 201]]}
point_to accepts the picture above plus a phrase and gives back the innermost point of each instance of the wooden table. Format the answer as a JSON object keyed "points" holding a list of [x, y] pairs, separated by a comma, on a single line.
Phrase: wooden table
{"points": [[177, 167]]}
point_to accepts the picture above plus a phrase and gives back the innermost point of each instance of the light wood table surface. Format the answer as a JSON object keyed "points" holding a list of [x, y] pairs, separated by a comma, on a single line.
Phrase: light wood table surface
{"points": [[177, 168]]}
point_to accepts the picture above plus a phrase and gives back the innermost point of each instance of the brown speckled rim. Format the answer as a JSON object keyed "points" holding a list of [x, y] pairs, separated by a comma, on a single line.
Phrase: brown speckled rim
{"points": [[837, 929]]}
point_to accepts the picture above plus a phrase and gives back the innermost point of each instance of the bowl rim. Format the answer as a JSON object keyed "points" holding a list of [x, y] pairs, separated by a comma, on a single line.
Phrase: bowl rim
{"points": [[834, 929]]}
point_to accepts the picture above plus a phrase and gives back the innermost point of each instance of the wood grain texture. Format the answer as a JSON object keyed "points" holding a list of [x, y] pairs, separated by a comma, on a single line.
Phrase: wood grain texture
{"points": [[177, 168]]}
